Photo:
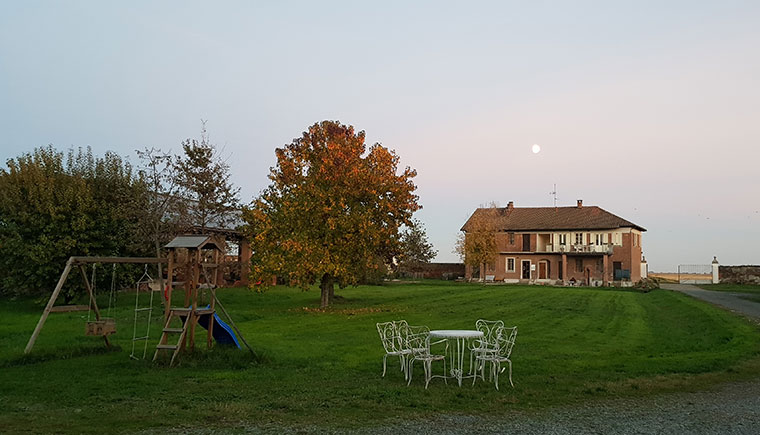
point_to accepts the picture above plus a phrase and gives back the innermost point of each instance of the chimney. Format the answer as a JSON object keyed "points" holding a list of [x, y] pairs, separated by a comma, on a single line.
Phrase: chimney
{"points": [[511, 205], [580, 203]]}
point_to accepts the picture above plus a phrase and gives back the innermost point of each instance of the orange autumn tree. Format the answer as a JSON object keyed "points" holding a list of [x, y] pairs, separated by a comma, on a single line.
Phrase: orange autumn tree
{"points": [[333, 208]]}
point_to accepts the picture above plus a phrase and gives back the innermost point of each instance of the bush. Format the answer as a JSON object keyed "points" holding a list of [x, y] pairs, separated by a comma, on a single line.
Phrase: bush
{"points": [[647, 284]]}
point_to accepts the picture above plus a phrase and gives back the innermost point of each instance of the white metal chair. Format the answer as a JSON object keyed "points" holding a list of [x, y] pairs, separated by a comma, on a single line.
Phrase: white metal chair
{"points": [[505, 343], [418, 343], [390, 336], [487, 344]]}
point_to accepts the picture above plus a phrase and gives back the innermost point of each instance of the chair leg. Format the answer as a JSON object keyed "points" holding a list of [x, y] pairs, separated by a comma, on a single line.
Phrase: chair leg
{"points": [[496, 366], [510, 374], [428, 375], [385, 357], [409, 371]]}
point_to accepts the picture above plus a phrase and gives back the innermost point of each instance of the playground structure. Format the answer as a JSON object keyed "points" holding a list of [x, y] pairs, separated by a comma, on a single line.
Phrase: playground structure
{"points": [[194, 261]]}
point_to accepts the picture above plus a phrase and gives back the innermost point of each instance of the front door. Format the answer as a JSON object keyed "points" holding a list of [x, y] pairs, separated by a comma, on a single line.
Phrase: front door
{"points": [[542, 270], [526, 269]]}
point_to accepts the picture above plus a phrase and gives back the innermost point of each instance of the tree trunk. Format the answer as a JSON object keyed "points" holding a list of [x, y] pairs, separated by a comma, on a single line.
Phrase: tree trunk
{"points": [[327, 288], [160, 270]]}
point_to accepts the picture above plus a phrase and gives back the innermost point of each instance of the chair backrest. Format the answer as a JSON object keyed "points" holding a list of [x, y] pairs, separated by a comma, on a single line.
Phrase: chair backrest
{"points": [[489, 329], [402, 329], [415, 339], [506, 341], [388, 336], [392, 334]]}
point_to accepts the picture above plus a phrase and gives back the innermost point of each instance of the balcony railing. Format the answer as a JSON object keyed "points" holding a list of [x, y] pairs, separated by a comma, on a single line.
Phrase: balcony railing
{"points": [[588, 249]]}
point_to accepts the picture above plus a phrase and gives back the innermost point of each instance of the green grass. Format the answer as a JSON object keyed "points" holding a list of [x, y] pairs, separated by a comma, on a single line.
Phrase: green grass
{"points": [[322, 369], [736, 288]]}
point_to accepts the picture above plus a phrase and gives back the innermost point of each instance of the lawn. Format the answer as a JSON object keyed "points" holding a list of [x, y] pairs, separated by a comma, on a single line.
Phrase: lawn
{"points": [[322, 369], [735, 288]]}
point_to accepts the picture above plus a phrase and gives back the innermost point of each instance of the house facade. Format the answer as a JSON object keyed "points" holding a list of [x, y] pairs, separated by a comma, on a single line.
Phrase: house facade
{"points": [[560, 245]]}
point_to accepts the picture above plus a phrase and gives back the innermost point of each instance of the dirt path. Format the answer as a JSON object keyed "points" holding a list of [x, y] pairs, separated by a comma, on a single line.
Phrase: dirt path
{"points": [[731, 301]]}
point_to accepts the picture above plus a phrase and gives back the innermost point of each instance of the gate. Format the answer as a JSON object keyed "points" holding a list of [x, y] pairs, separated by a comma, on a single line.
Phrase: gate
{"points": [[694, 273]]}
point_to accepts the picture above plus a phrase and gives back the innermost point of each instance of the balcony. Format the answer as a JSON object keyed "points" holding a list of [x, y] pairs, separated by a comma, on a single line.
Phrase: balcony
{"points": [[605, 249]]}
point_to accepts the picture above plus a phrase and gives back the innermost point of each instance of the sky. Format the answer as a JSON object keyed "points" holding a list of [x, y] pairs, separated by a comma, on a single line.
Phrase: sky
{"points": [[648, 109]]}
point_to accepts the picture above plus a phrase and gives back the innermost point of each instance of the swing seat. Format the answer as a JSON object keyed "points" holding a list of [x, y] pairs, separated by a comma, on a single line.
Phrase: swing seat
{"points": [[104, 326]]}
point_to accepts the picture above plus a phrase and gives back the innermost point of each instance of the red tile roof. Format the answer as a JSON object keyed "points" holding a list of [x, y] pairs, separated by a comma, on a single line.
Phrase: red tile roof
{"points": [[552, 218]]}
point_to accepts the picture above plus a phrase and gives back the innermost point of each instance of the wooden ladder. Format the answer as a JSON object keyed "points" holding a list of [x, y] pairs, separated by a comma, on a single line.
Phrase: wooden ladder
{"points": [[168, 330]]}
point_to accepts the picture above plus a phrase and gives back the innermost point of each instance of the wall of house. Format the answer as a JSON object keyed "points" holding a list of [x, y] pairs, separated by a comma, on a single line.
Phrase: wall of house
{"points": [[629, 254], [626, 249]]}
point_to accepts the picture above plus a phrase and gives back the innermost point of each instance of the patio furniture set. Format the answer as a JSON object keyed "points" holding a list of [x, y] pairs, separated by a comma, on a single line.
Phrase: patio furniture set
{"points": [[490, 342]]}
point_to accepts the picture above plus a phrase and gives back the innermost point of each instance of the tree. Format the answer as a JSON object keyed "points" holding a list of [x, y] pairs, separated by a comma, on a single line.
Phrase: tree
{"points": [[476, 245], [164, 213], [416, 251], [204, 178], [330, 211], [53, 207]]}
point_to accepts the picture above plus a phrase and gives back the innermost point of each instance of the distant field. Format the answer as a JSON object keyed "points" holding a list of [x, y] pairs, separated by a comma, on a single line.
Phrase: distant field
{"points": [[673, 277]]}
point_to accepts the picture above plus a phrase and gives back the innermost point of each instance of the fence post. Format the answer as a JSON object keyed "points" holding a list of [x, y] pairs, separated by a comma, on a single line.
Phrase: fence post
{"points": [[715, 267]]}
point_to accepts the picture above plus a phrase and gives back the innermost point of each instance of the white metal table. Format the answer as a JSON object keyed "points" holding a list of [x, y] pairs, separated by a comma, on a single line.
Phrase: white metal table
{"points": [[457, 355]]}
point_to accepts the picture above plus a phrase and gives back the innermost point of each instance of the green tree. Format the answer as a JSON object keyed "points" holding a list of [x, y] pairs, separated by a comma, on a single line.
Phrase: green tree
{"points": [[416, 251], [330, 211], [204, 179], [53, 207]]}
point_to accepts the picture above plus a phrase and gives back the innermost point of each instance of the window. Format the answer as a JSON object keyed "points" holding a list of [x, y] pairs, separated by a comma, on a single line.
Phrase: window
{"points": [[511, 238], [510, 264], [526, 242], [563, 239], [614, 237], [599, 239], [579, 265], [578, 238]]}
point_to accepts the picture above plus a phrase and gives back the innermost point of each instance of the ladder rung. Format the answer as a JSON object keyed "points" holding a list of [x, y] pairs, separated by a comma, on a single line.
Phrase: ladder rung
{"points": [[173, 330], [140, 338], [144, 309], [181, 310], [166, 346]]}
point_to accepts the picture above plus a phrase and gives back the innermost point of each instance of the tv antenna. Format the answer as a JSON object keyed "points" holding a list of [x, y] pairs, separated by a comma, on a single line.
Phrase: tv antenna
{"points": [[554, 195]]}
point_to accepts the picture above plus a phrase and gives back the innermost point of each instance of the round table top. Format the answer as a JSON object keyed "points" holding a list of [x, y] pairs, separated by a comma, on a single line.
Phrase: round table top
{"points": [[456, 333]]}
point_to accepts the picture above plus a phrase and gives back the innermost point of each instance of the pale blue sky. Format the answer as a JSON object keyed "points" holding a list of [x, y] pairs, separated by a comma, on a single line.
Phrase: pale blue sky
{"points": [[650, 110]]}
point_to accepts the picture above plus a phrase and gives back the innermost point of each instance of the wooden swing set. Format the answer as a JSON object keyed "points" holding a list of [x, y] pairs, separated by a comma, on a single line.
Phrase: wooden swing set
{"points": [[101, 326], [194, 258]]}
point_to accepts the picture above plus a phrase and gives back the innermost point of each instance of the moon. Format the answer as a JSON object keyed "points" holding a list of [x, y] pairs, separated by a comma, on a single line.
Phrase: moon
{"points": [[535, 148]]}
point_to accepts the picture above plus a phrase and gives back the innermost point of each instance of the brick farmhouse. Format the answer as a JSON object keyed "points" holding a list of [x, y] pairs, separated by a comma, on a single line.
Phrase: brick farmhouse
{"points": [[564, 245]]}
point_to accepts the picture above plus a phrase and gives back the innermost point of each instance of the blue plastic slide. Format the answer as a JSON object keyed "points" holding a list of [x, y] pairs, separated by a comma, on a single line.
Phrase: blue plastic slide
{"points": [[222, 332]]}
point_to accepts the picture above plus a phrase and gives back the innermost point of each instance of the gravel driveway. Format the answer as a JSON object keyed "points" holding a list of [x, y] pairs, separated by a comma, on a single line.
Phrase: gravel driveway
{"points": [[727, 409]]}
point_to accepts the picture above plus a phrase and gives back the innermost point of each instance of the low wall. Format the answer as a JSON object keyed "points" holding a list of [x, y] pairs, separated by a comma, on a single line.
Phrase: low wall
{"points": [[749, 274], [448, 271]]}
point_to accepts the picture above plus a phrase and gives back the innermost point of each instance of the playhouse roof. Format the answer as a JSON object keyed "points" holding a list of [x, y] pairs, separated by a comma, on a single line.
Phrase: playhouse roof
{"points": [[193, 241]]}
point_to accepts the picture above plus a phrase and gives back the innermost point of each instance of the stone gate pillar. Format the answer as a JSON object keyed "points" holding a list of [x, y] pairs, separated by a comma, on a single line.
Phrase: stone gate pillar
{"points": [[715, 267]]}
